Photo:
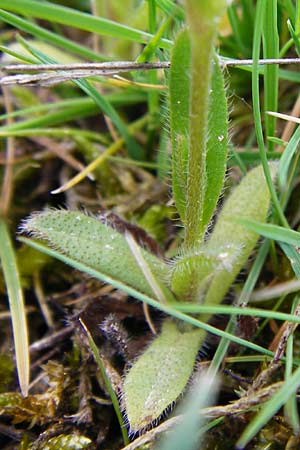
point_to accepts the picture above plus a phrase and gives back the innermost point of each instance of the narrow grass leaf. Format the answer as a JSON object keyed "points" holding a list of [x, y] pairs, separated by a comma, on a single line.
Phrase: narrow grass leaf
{"points": [[236, 311], [134, 149], [270, 408], [106, 380], [160, 374], [16, 303], [294, 257], [15, 54], [270, 50], [291, 406], [189, 433], [77, 19], [294, 36], [286, 159], [118, 284], [68, 110], [238, 28], [271, 231], [51, 37], [171, 8], [151, 48], [258, 27], [159, 290]]}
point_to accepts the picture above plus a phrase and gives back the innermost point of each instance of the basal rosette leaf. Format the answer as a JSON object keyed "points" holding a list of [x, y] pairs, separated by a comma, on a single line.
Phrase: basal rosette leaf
{"points": [[249, 200], [160, 374], [87, 240]]}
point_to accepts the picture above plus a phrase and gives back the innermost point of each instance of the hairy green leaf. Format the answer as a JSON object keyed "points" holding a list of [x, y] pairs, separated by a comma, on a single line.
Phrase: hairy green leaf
{"points": [[202, 20], [179, 93], [249, 200], [99, 246], [160, 374], [217, 141], [191, 275]]}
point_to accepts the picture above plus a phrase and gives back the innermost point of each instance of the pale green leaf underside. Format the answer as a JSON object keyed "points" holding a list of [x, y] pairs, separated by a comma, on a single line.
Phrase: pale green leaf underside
{"points": [[160, 374], [87, 240]]}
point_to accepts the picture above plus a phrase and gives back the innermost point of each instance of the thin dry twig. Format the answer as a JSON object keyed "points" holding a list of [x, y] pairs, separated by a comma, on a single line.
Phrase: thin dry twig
{"points": [[64, 72], [240, 406]]}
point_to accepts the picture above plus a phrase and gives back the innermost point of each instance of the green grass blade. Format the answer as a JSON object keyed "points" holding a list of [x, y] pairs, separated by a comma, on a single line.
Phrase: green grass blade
{"points": [[171, 8], [294, 257], [254, 273], [142, 297], [15, 54], [16, 304], [107, 382], [270, 408], [237, 28], [77, 19], [222, 348], [259, 20], [294, 36], [56, 132], [67, 110], [286, 159], [291, 407], [236, 311], [270, 231], [150, 49], [189, 433], [270, 50], [134, 149], [49, 36]]}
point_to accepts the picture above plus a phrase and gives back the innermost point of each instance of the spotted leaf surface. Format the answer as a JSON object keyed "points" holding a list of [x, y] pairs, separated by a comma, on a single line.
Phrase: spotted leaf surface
{"points": [[87, 240]]}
